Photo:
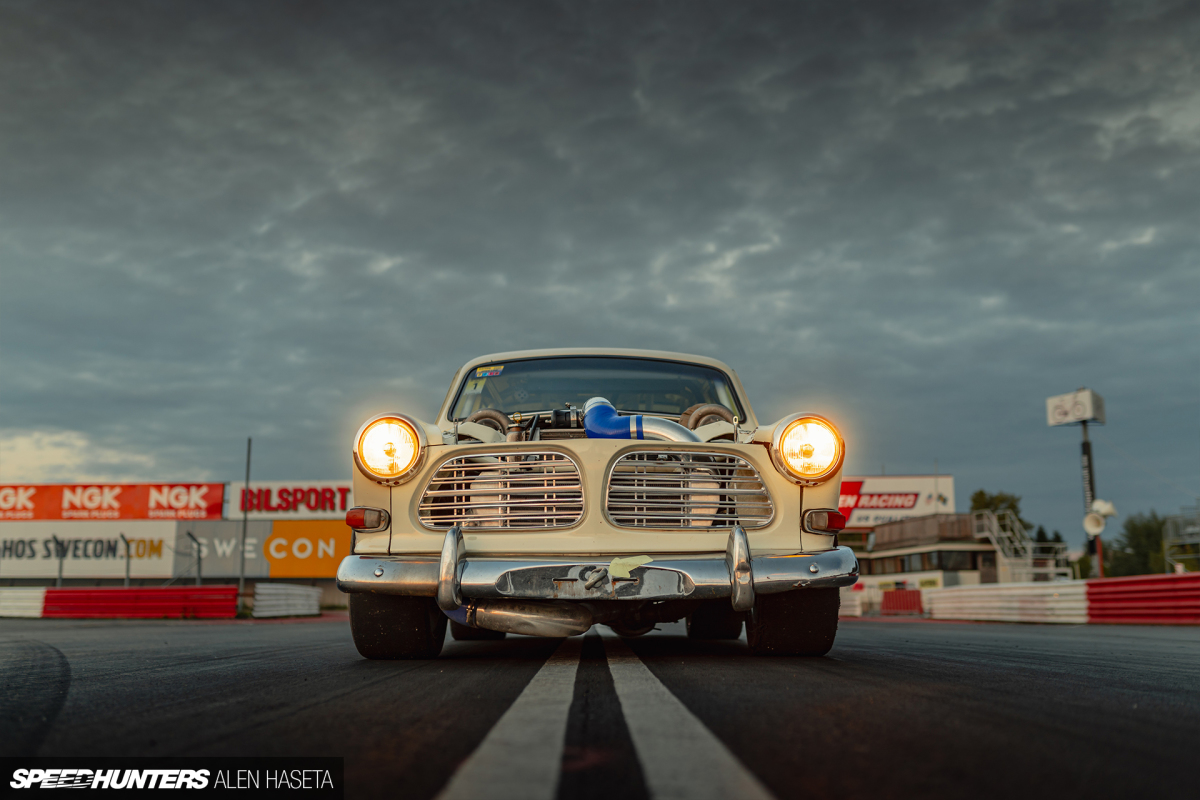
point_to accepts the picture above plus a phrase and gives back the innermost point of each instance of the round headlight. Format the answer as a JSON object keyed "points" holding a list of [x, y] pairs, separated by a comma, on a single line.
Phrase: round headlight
{"points": [[808, 448], [389, 448]]}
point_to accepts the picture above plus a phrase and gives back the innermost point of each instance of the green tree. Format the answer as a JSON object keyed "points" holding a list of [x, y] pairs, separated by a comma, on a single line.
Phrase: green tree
{"points": [[1139, 548], [998, 503]]}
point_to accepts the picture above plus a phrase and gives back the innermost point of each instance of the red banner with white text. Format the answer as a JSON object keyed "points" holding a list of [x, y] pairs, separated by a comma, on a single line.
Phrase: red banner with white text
{"points": [[44, 501]]}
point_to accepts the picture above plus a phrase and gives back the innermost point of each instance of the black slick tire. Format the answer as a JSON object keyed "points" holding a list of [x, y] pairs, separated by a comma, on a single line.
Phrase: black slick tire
{"points": [[463, 633], [799, 623], [390, 627], [715, 619]]}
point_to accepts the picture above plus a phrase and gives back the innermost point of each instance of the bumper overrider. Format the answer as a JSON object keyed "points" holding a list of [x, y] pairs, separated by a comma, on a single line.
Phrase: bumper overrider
{"points": [[564, 596]]}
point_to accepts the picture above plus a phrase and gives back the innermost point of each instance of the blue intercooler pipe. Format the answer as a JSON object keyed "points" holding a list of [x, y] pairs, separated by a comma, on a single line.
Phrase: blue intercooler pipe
{"points": [[601, 421]]}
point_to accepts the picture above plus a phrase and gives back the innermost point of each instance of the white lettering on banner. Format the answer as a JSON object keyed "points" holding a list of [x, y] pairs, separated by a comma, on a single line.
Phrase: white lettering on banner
{"points": [[178, 497], [91, 497], [277, 543], [325, 549], [17, 497], [887, 500], [225, 547], [302, 548]]}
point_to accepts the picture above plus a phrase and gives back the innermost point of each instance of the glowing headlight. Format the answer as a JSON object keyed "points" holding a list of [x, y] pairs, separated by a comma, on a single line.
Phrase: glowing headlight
{"points": [[807, 448], [389, 448]]}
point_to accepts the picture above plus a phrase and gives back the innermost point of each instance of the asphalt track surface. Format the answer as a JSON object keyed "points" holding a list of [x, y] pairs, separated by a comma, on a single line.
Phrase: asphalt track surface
{"points": [[898, 709]]}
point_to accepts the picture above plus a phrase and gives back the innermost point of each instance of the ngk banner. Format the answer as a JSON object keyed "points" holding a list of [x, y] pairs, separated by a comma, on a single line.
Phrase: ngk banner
{"points": [[47, 501], [873, 500], [87, 549], [292, 500]]}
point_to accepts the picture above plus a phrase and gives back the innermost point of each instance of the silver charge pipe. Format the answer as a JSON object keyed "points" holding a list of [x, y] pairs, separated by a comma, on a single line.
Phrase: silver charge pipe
{"points": [[601, 421], [529, 617], [554, 620]]}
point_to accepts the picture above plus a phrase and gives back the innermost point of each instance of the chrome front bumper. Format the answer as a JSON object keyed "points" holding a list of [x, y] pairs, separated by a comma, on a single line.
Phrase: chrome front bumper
{"points": [[733, 574]]}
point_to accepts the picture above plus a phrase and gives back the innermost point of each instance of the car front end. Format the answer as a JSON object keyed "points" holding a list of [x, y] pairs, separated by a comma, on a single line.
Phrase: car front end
{"points": [[524, 511]]}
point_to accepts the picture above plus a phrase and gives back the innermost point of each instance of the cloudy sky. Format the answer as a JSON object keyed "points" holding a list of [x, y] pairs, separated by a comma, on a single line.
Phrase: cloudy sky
{"points": [[229, 220]]}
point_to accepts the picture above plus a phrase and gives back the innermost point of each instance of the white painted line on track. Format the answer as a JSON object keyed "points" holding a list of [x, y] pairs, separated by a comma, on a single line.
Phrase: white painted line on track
{"points": [[521, 757], [681, 759]]}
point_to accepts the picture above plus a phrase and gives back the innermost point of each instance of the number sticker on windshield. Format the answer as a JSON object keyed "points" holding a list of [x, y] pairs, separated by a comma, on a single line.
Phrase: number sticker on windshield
{"points": [[489, 372]]}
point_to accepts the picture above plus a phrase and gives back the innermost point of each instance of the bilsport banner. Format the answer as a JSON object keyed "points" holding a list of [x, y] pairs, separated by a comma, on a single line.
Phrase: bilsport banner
{"points": [[292, 499]]}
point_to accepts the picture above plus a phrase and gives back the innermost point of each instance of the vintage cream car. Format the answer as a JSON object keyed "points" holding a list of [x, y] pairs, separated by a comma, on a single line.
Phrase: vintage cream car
{"points": [[559, 489]]}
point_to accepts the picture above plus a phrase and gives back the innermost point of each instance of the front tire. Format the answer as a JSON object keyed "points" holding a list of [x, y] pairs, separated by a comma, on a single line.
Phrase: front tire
{"points": [[390, 627], [465, 633], [799, 623], [715, 619]]}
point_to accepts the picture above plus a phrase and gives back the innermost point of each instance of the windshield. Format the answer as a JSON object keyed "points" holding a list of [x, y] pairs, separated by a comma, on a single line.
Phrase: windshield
{"points": [[642, 385]]}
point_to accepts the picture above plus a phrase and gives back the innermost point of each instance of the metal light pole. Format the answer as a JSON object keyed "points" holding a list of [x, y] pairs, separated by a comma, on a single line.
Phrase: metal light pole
{"points": [[126, 541], [1089, 492], [1081, 407], [60, 549], [199, 557], [245, 522]]}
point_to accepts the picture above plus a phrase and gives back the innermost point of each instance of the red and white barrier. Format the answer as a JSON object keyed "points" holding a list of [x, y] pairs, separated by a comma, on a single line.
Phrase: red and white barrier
{"points": [[1064, 602], [898, 602], [21, 601], [852, 601], [170, 602], [1137, 600], [1146, 599]]}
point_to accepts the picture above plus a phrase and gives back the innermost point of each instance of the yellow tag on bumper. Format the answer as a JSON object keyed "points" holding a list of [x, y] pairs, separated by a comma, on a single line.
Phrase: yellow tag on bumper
{"points": [[619, 568]]}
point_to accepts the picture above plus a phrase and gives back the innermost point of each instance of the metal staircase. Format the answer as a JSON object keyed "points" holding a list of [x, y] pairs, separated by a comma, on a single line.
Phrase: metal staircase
{"points": [[1019, 558]]}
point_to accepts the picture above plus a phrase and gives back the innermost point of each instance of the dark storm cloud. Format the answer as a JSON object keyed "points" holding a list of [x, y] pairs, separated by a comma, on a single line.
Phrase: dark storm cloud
{"points": [[221, 220]]}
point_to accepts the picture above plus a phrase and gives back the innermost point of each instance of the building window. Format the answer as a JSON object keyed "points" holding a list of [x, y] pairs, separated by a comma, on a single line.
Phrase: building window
{"points": [[953, 560]]}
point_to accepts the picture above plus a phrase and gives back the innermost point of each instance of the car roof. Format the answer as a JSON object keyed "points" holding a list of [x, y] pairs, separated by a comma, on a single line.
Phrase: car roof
{"points": [[659, 355]]}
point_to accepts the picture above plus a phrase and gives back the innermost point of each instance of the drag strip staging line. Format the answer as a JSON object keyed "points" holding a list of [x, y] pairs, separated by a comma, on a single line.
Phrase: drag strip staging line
{"points": [[522, 754], [521, 757], [681, 758]]}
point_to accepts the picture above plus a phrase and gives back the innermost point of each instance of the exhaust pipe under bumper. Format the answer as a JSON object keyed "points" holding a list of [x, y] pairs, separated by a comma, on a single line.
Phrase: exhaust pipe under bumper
{"points": [[530, 617]]}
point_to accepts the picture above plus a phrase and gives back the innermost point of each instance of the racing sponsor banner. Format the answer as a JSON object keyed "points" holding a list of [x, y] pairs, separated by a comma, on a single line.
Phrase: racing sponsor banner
{"points": [[108, 501], [306, 548], [872, 500], [291, 500], [93, 549], [219, 540], [87, 549]]}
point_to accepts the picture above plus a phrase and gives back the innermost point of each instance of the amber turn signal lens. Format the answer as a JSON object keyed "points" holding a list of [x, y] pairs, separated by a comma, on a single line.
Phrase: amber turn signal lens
{"points": [[826, 521], [365, 519]]}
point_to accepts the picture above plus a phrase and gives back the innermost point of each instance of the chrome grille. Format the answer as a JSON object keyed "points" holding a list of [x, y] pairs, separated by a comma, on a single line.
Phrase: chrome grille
{"points": [[494, 490], [686, 490]]}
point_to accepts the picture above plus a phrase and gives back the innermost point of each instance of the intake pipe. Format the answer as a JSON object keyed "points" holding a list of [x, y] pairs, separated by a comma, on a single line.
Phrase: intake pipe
{"points": [[601, 421]]}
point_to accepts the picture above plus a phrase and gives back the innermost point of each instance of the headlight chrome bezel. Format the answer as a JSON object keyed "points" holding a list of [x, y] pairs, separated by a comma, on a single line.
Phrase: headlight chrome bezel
{"points": [[781, 430], [418, 431]]}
